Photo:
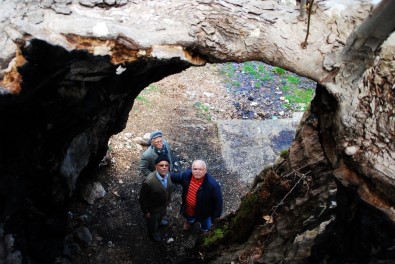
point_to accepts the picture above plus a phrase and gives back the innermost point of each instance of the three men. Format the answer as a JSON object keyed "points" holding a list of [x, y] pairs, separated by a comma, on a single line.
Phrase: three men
{"points": [[201, 194]]}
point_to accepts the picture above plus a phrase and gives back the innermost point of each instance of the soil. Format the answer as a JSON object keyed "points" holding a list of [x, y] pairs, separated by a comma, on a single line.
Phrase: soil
{"points": [[185, 107]]}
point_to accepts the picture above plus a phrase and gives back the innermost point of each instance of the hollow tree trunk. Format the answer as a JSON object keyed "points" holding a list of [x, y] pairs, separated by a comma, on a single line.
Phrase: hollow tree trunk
{"points": [[70, 70]]}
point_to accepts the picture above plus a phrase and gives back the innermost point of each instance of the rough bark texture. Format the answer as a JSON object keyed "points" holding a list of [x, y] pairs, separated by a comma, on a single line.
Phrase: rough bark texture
{"points": [[71, 69]]}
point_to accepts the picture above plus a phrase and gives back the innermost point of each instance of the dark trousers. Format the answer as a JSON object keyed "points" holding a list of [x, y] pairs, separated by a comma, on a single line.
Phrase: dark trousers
{"points": [[153, 222]]}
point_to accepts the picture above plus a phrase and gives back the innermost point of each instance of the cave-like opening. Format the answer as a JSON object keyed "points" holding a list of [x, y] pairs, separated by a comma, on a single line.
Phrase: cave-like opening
{"points": [[189, 108]]}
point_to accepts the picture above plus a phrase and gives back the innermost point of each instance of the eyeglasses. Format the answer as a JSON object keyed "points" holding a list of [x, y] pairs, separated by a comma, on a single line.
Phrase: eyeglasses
{"points": [[162, 165]]}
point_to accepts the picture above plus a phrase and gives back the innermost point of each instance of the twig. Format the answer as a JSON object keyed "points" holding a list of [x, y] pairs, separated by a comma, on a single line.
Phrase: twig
{"points": [[290, 191], [302, 8], [303, 176], [304, 44]]}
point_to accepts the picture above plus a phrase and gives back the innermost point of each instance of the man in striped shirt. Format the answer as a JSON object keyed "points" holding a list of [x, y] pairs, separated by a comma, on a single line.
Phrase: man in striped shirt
{"points": [[201, 196]]}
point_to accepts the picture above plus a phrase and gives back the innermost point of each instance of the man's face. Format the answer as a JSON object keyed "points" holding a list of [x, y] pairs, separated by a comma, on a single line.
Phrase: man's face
{"points": [[162, 167], [157, 142], [198, 170]]}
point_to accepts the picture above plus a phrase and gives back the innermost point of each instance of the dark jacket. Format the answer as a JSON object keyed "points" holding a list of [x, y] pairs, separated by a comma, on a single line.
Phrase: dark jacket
{"points": [[208, 197], [153, 196]]}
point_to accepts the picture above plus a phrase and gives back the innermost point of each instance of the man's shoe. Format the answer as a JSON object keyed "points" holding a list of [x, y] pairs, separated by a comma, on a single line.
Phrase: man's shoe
{"points": [[164, 223], [186, 226], [156, 238]]}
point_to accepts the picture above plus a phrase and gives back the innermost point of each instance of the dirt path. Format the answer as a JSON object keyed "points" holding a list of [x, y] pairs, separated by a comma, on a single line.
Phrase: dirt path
{"points": [[184, 107]]}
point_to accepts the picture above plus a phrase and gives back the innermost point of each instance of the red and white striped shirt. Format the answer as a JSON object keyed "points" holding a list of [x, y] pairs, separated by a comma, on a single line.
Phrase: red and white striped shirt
{"points": [[194, 186]]}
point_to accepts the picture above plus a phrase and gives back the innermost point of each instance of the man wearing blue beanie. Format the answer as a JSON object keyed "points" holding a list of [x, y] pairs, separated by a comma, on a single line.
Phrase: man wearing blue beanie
{"points": [[159, 146]]}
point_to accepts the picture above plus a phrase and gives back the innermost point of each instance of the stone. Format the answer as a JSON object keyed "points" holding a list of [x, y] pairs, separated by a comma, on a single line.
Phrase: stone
{"points": [[84, 236], [14, 258], [71, 250], [351, 150], [92, 192]]}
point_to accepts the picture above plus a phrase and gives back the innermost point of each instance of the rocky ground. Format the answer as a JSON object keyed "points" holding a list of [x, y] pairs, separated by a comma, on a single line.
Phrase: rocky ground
{"points": [[185, 107]]}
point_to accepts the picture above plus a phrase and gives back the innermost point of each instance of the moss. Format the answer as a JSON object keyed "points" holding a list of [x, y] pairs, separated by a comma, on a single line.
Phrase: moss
{"points": [[293, 79], [261, 176], [236, 84], [142, 99], [246, 208], [279, 71], [300, 95], [284, 153], [213, 236], [228, 70], [151, 88], [285, 88], [110, 148], [248, 67], [203, 111]]}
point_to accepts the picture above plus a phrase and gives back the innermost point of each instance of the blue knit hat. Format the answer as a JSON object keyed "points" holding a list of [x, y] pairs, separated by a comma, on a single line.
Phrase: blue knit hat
{"points": [[156, 134]]}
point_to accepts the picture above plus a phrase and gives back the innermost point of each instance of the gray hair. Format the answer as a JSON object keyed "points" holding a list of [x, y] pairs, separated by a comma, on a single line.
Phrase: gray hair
{"points": [[201, 162]]}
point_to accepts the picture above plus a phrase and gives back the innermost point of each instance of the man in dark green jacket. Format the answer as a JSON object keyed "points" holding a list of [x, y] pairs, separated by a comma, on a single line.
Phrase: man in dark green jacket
{"points": [[159, 146], [155, 195]]}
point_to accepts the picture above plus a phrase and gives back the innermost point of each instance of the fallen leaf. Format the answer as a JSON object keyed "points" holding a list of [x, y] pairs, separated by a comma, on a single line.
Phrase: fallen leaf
{"points": [[268, 219]]}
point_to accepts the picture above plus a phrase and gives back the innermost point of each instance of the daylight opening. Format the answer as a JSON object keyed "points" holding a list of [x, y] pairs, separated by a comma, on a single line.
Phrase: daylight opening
{"points": [[244, 106], [238, 117]]}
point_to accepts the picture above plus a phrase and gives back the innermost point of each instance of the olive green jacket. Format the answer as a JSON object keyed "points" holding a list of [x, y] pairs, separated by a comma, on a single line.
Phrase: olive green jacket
{"points": [[153, 195]]}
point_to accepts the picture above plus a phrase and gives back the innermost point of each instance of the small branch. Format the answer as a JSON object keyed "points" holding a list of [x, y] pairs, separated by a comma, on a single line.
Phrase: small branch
{"points": [[304, 44], [303, 176], [302, 8]]}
